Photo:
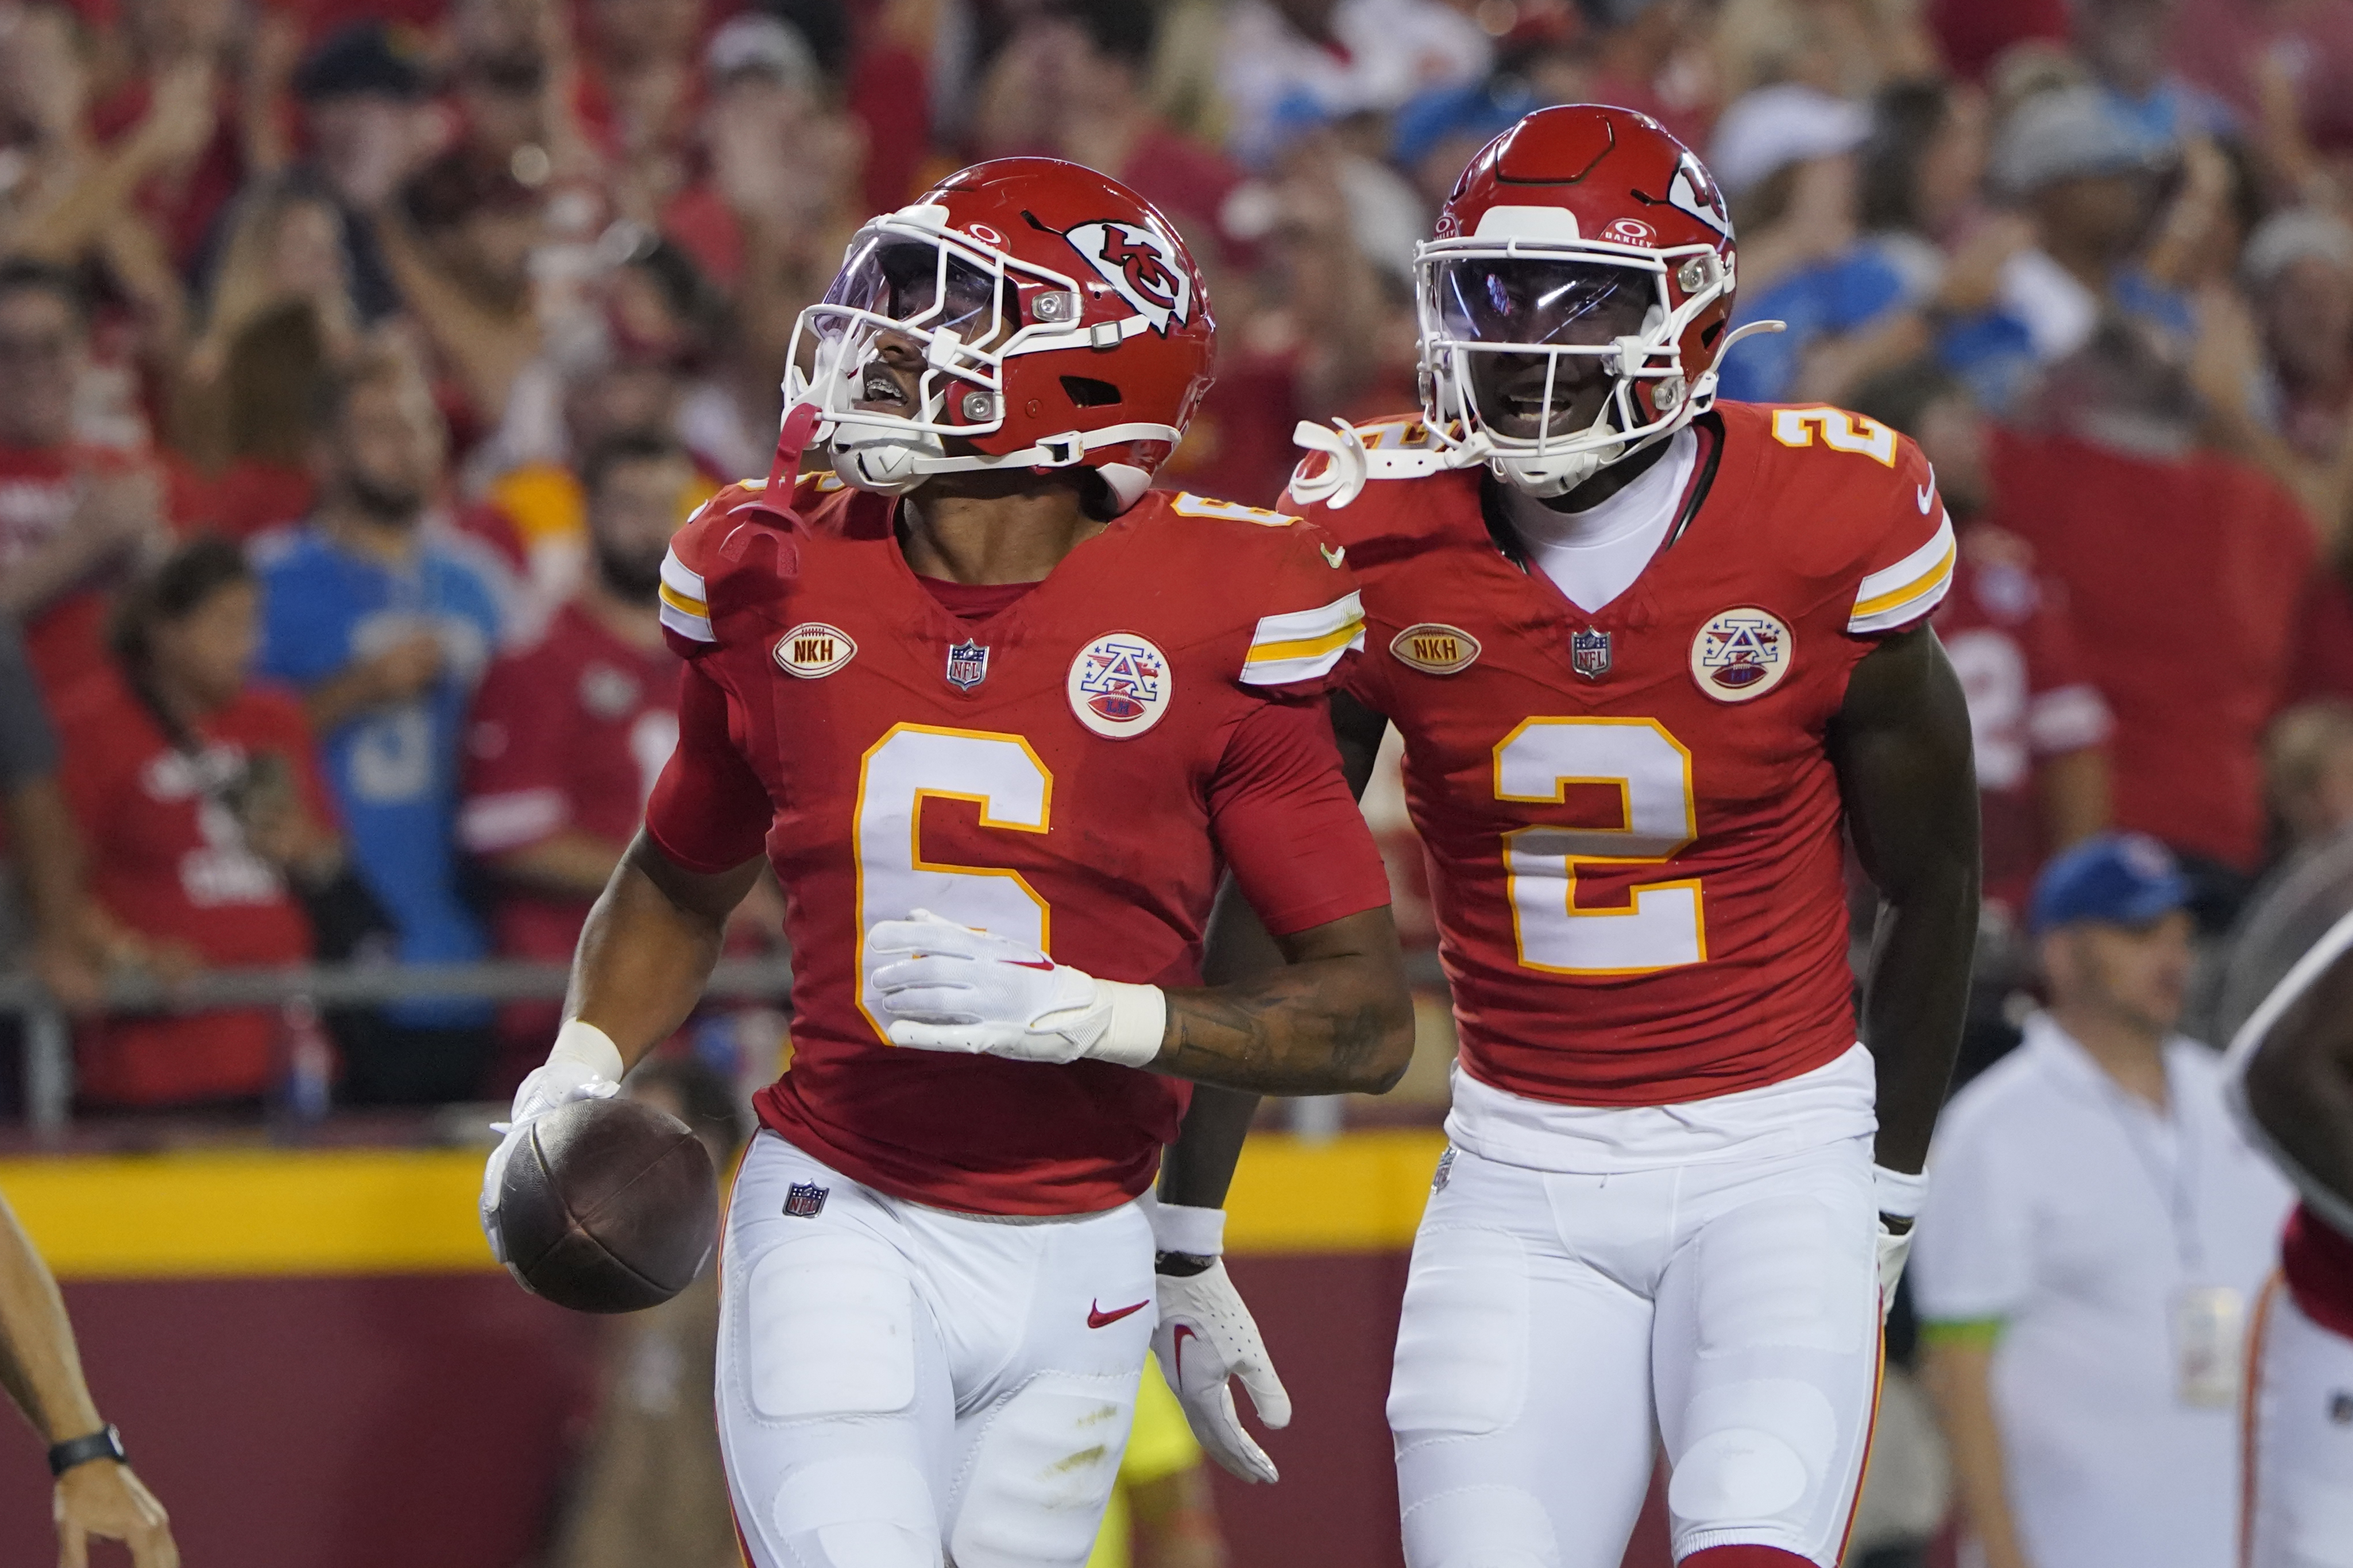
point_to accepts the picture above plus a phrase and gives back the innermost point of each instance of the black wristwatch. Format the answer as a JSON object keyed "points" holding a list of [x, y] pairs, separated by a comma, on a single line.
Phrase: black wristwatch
{"points": [[106, 1443]]}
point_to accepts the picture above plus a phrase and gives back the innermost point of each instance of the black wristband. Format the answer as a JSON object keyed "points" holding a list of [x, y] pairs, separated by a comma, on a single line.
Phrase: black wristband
{"points": [[1181, 1265], [103, 1444]]}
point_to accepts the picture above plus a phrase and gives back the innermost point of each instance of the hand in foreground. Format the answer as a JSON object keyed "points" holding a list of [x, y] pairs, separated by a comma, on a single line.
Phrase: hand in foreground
{"points": [[1205, 1337], [584, 1065], [103, 1500], [969, 991]]}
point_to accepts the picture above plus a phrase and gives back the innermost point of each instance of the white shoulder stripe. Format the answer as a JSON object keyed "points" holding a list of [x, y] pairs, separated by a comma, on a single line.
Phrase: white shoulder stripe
{"points": [[680, 580], [1911, 568], [692, 626], [1899, 594], [1303, 645]]}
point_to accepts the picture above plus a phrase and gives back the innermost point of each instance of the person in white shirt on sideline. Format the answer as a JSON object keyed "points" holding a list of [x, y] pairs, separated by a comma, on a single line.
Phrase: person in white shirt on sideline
{"points": [[2094, 1233]]}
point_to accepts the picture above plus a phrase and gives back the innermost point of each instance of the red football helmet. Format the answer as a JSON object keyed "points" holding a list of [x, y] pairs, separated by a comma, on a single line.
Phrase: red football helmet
{"points": [[1059, 320], [1582, 239]]}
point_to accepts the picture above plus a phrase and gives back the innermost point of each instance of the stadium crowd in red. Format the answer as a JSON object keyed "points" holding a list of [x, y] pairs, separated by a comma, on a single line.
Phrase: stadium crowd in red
{"points": [[355, 359]]}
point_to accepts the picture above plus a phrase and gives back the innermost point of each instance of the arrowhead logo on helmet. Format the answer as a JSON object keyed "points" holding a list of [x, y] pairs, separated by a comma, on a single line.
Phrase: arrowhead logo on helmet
{"points": [[1141, 266]]}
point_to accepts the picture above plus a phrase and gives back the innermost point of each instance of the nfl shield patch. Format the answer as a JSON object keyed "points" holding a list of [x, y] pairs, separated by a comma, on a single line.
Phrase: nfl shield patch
{"points": [[1445, 1170], [967, 664], [806, 1200], [1588, 653]]}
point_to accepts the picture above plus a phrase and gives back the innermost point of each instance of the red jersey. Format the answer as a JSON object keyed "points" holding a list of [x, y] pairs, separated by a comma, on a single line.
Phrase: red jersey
{"points": [[1631, 819], [1074, 770], [168, 859], [568, 734], [2029, 699], [2209, 545]]}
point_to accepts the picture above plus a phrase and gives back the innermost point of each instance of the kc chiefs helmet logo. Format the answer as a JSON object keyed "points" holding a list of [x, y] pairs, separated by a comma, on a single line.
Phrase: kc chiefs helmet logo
{"points": [[1141, 266]]}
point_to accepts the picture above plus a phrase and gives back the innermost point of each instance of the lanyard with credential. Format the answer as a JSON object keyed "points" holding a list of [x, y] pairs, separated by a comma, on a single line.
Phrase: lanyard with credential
{"points": [[2176, 1187]]}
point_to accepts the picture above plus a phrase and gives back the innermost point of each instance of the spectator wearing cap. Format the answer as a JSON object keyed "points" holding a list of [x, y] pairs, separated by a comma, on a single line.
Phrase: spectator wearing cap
{"points": [[363, 96], [459, 244], [2297, 270], [2094, 1234], [2089, 177], [1786, 158], [1293, 63]]}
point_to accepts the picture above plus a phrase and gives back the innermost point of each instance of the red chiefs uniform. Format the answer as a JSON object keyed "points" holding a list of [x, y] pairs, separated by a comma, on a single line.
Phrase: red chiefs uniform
{"points": [[568, 734], [1631, 819], [2029, 700], [1075, 769]]}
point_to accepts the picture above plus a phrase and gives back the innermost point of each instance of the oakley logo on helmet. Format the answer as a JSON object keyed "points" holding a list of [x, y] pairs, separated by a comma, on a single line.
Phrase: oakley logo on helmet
{"points": [[1631, 231], [1694, 193], [1144, 267]]}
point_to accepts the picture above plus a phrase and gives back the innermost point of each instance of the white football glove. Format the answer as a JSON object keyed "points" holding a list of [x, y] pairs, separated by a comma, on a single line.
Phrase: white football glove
{"points": [[966, 990], [584, 1065], [1206, 1336], [1899, 1195]]}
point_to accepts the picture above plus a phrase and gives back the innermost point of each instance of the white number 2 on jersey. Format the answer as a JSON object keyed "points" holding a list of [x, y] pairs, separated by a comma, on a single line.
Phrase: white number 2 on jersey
{"points": [[915, 762], [1666, 923]]}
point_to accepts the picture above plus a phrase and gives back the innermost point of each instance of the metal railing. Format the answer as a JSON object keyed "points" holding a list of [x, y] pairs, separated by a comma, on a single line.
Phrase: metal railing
{"points": [[49, 1080]]}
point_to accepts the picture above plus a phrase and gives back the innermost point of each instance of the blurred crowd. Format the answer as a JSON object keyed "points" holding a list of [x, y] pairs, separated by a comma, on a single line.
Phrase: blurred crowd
{"points": [[357, 359]]}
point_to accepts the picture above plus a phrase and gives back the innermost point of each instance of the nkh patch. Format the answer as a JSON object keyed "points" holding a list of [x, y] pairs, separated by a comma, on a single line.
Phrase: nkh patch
{"points": [[1120, 685], [1588, 653], [1741, 654], [967, 664], [806, 1200], [814, 649], [1435, 648]]}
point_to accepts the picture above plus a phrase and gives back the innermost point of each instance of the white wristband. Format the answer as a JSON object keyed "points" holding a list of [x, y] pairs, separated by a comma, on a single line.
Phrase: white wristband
{"points": [[1139, 1022], [583, 1043], [1898, 1195], [1180, 1228]]}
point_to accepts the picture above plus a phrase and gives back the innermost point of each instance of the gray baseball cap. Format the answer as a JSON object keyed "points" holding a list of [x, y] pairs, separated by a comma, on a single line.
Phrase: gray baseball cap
{"points": [[2072, 133]]}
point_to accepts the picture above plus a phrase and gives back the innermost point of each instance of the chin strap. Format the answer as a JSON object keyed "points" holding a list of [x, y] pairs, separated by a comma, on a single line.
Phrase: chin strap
{"points": [[1353, 463]]}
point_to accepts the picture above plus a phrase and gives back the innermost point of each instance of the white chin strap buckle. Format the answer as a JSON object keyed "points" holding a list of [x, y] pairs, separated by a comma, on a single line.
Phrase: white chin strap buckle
{"points": [[1352, 464]]}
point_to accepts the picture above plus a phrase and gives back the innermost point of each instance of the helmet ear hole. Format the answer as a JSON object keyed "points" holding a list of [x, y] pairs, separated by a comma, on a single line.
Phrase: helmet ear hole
{"points": [[1086, 392]]}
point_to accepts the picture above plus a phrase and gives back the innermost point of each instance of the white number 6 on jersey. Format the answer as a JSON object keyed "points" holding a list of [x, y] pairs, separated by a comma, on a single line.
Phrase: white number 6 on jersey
{"points": [[914, 763], [1665, 925]]}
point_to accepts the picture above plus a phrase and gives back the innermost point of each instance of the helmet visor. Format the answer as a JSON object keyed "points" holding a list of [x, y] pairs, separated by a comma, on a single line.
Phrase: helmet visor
{"points": [[921, 285], [1540, 300]]}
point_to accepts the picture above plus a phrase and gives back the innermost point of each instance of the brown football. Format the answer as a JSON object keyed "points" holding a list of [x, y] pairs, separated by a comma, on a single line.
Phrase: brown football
{"points": [[610, 1206]]}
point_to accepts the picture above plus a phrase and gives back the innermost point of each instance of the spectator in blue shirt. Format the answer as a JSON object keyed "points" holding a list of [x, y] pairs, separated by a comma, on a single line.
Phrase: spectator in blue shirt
{"points": [[385, 632], [1786, 156]]}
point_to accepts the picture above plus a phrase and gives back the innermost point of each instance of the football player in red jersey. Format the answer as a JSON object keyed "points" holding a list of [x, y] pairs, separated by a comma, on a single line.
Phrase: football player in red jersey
{"points": [[2290, 1078], [1650, 655], [985, 698]]}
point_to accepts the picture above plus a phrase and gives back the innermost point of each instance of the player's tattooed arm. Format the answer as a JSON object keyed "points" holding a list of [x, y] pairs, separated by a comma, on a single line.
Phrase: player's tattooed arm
{"points": [[1334, 1018], [650, 944], [1901, 744]]}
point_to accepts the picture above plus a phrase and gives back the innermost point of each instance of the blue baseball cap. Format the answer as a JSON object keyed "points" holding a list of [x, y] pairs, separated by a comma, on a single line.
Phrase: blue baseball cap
{"points": [[2120, 879]]}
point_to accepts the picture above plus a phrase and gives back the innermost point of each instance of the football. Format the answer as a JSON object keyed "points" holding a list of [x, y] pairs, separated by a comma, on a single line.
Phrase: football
{"points": [[610, 1206]]}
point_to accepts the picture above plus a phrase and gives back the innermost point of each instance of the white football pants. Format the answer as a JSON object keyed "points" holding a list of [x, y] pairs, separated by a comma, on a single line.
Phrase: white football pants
{"points": [[901, 1386], [1558, 1326], [2300, 1484]]}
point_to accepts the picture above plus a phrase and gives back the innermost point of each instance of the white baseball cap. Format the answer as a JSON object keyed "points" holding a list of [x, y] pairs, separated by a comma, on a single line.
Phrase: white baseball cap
{"points": [[1766, 130]]}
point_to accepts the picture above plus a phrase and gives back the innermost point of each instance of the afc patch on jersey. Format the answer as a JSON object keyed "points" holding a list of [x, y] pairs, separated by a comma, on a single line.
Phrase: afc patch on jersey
{"points": [[1741, 654], [813, 649], [1120, 685]]}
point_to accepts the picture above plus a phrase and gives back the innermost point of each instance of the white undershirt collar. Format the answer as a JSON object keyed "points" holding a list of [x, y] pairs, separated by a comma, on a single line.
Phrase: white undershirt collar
{"points": [[1594, 555]]}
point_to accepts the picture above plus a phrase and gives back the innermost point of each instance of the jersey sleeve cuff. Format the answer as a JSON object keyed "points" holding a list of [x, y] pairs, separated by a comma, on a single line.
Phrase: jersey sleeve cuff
{"points": [[1894, 596]]}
